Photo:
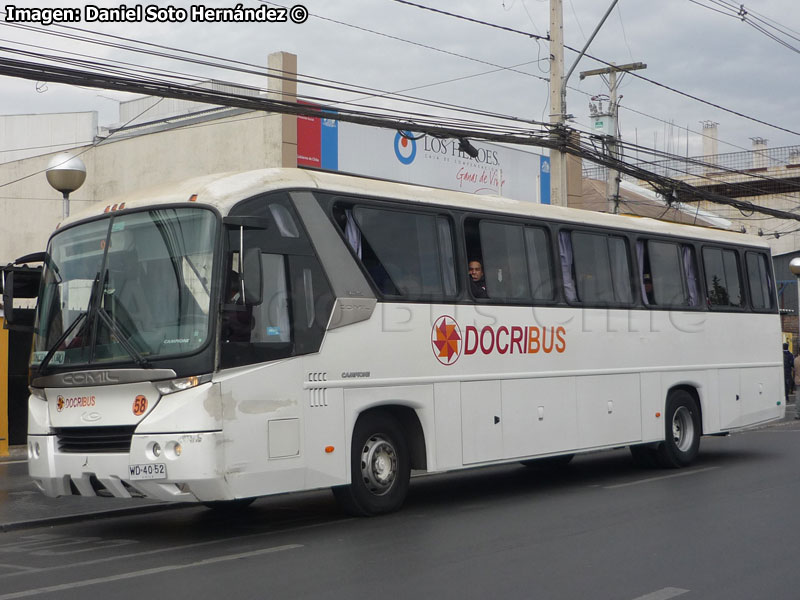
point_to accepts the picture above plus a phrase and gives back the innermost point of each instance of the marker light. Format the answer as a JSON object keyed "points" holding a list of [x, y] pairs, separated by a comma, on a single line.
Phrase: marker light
{"points": [[658, 415], [328, 449], [173, 450], [193, 198], [170, 386]]}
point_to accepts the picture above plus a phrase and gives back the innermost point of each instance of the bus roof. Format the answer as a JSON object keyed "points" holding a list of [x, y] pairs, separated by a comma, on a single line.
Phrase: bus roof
{"points": [[223, 190]]}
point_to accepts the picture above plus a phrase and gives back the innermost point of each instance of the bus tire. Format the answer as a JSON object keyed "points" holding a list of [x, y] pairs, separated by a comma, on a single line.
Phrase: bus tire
{"points": [[380, 468], [682, 431]]}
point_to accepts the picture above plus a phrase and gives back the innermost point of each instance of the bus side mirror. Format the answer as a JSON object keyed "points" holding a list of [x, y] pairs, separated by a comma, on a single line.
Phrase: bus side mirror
{"points": [[251, 275], [20, 281]]}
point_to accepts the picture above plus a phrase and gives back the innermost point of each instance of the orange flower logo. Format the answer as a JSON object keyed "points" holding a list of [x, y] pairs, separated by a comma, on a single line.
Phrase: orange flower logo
{"points": [[60, 403], [446, 340]]}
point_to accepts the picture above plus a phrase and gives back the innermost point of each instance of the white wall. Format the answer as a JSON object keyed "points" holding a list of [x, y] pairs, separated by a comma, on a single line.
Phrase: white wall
{"points": [[23, 136], [30, 209]]}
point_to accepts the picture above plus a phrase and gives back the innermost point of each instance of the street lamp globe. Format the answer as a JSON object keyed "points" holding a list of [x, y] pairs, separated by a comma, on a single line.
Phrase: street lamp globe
{"points": [[66, 174], [794, 266]]}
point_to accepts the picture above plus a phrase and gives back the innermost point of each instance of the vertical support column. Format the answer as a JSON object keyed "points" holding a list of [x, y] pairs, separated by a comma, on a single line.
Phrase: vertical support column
{"points": [[574, 167], [558, 163], [283, 87], [3, 388], [612, 181]]}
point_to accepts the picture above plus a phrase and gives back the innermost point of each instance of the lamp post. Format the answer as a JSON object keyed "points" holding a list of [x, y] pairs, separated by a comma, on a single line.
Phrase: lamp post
{"points": [[794, 267], [66, 174]]}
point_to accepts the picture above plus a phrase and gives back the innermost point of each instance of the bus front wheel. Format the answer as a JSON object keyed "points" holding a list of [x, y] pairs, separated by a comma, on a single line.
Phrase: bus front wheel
{"points": [[380, 468], [682, 431]]}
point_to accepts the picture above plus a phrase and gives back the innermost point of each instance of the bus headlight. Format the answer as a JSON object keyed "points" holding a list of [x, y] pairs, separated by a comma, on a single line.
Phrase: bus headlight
{"points": [[170, 386]]}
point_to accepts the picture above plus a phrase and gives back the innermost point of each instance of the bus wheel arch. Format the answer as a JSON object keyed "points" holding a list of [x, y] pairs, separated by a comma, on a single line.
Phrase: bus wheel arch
{"points": [[382, 453], [683, 427]]}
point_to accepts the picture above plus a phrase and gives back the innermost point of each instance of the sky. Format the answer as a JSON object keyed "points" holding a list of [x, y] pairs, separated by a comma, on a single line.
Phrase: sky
{"points": [[694, 46]]}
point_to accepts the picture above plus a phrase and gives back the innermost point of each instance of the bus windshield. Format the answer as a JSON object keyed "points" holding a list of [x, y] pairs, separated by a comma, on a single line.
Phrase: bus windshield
{"points": [[129, 288]]}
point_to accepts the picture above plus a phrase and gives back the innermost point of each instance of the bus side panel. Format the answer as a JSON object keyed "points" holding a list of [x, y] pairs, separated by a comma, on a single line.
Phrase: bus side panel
{"points": [[324, 428], [729, 398], [481, 421], [652, 404], [609, 410], [540, 416], [447, 409], [255, 402], [761, 395]]}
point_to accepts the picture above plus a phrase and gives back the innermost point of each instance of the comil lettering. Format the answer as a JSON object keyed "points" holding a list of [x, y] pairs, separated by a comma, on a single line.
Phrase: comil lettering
{"points": [[514, 340]]}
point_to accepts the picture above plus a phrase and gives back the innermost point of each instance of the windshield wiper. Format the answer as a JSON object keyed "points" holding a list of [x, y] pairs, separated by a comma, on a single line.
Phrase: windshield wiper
{"points": [[117, 330], [50, 353], [63, 337]]}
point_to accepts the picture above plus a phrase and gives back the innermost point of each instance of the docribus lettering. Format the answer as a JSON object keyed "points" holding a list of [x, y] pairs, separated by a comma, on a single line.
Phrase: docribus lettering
{"points": [[516, 340], [75, 402]]}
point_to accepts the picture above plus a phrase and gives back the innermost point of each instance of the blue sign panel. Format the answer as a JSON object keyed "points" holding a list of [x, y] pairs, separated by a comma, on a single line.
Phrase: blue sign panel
{"points": [[544, 179]]}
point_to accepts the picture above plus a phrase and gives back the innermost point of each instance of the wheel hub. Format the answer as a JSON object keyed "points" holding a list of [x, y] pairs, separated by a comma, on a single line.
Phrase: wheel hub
{"points": [[378, 465], [683, 429]]}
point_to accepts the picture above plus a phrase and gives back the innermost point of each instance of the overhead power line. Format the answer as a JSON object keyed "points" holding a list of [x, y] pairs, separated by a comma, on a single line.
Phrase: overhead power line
{"points": [[633, 74], [670, 188]]}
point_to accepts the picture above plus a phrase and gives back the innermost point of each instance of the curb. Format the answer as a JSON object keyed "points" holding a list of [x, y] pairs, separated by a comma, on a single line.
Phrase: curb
{"points": [[15, 453], [78, 517]]}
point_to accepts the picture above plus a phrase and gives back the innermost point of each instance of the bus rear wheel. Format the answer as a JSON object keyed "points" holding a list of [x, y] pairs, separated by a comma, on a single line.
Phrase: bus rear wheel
{"points": [[380, 468], [682, 431]]}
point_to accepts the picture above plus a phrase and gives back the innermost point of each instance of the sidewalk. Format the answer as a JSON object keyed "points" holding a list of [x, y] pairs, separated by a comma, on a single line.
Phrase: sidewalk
{"points": [[23, 506]]}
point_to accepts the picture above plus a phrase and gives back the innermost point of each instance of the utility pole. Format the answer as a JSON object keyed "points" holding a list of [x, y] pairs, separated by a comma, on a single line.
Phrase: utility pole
{"points": [[610, 127], [558, 97], [558, 158]]}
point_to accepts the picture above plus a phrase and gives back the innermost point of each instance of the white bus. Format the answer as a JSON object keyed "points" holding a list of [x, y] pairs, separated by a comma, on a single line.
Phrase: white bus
{"points": [[248, 334]]}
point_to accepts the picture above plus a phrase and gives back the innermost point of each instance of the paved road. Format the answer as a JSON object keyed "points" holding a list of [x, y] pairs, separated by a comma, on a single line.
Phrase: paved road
{"points": [[22, 506], [728, 527]]}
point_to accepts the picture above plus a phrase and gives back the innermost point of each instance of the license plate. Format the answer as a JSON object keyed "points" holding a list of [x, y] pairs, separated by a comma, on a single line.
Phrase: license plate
{"points": [[148, 471]]}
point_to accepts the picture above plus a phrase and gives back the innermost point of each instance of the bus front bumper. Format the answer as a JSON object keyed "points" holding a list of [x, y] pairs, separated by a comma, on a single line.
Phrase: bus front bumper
{"points": [[177, 467]]}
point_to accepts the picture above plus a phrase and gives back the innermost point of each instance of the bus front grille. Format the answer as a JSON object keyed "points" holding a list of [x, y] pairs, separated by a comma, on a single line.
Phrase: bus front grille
{"points": [[83, 440]]}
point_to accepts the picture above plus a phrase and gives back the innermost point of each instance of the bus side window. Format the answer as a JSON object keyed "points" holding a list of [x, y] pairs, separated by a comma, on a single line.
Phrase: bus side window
{"points": [[505, 265], [271, 317], [602, 268], [668, 273], [723, 284], [540, 271], [409, 255], [567, 265], [759, 277]]}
